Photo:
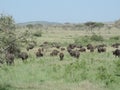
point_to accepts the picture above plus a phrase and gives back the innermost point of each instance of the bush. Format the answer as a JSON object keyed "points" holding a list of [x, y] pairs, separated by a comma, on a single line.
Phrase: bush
{"points": [[94, 24], [115, 38], [103, 75], [117, 68], [95, 37], [9, 40], [38, 33], [6, 22], [5, 86], [82, 40], [76, 72]]}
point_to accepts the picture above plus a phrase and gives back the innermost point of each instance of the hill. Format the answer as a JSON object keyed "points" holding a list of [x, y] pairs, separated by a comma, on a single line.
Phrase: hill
{"points": [[38, 22]]}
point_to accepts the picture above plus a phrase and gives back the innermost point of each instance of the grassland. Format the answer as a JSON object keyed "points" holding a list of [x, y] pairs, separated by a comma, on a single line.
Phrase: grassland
{"points": [[92, 71]]}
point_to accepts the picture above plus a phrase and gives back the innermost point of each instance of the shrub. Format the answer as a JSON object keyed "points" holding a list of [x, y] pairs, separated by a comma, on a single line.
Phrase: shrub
{"points": [[117, 68], [95, 37], [29, 26], [5, 86], [82, 40], [104, 76], [38, 33], [76, 72], [94, 24], [6, 22], [115, 38], [9, 40]]}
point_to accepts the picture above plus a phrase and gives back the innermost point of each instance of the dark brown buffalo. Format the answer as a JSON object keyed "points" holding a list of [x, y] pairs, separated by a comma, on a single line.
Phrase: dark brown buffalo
{"points": [[61, 55], [9, 58], [62, 49], [71, 52], [116, 52], [116, 45], [23, 56], [54, 53], [79, 46], [74, 53], [72, 46], [57, 46], [39, 53], [77, 54], [13, 49], [89, 46], [30, 46], [91, 49], [82, 50], [41, 49], [69, 49], [101, 49]]}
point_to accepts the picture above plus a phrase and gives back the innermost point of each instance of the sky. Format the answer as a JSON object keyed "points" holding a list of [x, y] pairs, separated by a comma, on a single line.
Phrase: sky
{"points": [[73, 11]]}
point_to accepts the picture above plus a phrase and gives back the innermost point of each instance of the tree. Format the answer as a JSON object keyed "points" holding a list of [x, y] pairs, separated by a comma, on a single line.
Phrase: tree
{"points": [[92, 25], [29, 26], [7, 26], [8, 42], [117, 23], [6, 22]]}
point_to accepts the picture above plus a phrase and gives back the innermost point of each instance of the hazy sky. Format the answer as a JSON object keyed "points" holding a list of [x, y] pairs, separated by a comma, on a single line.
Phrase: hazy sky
{"points": [[61, 10]]}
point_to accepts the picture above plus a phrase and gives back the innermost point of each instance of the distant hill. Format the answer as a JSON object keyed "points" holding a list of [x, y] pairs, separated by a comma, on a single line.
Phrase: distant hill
{"points": [[38, 22], [55, 23]]}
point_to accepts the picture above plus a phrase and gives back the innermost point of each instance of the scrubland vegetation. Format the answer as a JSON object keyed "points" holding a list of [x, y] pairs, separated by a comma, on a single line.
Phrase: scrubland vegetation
{"points": [[91, 71]]}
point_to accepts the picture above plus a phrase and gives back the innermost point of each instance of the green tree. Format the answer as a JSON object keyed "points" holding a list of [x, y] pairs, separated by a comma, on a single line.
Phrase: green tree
{"points": [[8, 42], [7, 26], [29, 26], [117, 23], [6, 22], [92, 25]]}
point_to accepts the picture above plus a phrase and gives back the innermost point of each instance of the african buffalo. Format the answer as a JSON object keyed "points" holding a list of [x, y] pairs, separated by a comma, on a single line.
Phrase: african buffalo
{"points": [[61, 55], [30, 46], [74, 53], [116, 52], [62, 49], [89, 46], [82, 50], [77, 54], [72, 46], [9, 58], [101, 49], [116, 45], [91, 49], [54, 53], [23, 56], [39, 53]]}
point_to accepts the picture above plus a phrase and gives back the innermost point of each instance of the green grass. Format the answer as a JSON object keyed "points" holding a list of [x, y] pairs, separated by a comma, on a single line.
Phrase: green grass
{"points": [[93, 71], [38, 72]]}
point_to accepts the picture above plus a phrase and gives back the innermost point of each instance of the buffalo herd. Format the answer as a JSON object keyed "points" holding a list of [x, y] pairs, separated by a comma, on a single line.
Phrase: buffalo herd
{"points": [[73, 50], [39, 53]]}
